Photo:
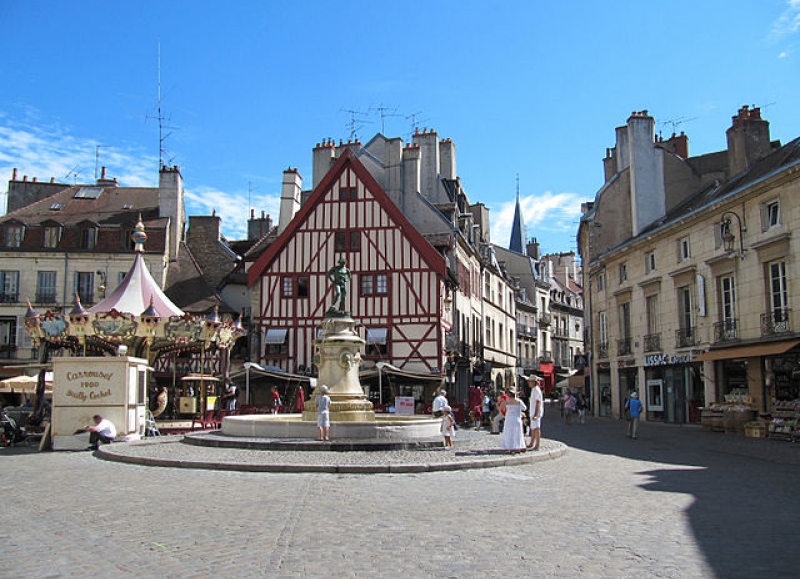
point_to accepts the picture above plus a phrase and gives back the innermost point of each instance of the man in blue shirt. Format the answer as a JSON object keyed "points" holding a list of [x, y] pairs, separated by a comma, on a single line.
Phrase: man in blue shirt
{"points": [[634, 408]]}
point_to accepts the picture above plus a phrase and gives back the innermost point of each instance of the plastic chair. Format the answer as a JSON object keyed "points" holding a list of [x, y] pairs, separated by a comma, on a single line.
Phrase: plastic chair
{"points": [[207, 420]]}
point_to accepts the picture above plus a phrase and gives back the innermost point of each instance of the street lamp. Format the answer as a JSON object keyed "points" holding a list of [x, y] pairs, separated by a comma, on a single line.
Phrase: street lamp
{"points": [[380, 366], [728, 238]]}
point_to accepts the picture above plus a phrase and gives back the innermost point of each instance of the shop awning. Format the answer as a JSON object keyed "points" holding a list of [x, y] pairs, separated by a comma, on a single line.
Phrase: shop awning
{"points": [[275, 336], [389, 369], [751, 351]]}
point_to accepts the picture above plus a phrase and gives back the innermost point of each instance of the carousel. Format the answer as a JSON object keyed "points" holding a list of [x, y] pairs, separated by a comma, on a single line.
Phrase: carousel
{"points": [[138, 322]]}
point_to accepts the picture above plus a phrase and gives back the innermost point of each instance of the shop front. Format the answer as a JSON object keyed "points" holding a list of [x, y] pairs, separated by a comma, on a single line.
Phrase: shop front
{"points": [[673, 388], [757, 383]]}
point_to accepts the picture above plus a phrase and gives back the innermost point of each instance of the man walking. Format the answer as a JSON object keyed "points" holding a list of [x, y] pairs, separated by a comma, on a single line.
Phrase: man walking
{"points": [[634, 407]]}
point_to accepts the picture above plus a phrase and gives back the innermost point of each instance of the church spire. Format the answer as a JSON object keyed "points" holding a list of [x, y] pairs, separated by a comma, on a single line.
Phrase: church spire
{"points": [[518, 237]]}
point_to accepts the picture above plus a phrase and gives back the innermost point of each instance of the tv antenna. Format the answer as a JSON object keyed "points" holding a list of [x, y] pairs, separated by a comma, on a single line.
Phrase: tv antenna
{"points": [[162, 138], [357, 121], [385, 111], [74, 173], [97, 160], [415, 121], [250, 190], [675, 123]]}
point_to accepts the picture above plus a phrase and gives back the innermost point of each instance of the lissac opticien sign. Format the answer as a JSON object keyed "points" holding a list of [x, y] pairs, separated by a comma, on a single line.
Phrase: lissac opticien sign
{"points": [[665, 360]]}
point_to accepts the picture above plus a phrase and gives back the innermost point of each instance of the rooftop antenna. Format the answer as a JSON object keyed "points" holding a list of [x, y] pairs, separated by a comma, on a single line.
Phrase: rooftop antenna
{"points": [[162, 138], [97, 160], [250, 190], [415, 121], [355, 122], [675, 123], [385, 111], [74, 173]]}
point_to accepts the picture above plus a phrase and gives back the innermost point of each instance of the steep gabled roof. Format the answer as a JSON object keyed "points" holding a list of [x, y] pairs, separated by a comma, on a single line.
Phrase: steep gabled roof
{"points": [[187, 285], [350, 161]]}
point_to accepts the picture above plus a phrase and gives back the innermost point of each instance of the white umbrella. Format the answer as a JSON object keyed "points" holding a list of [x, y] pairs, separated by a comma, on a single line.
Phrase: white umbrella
{"points": [[18, 384]]}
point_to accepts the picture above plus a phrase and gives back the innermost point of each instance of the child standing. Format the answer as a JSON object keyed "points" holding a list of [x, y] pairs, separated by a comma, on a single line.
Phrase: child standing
{"points": [[447, 428]]}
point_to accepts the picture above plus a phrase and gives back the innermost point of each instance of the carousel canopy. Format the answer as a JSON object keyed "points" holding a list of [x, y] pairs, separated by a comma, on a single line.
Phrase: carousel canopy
{"points": [[136, 293]]}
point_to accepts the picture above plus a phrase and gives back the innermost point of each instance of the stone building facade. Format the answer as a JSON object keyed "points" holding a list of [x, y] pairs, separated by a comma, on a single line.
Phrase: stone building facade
{"points": [[689, 268]]}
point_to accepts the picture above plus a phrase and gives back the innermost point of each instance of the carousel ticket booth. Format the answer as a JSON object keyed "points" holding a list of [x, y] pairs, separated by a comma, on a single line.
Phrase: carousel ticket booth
{"points": [[114, 388]]}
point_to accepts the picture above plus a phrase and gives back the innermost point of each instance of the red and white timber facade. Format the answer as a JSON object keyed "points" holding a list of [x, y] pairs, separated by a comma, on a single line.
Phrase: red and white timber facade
{"points": [[397, 290]]}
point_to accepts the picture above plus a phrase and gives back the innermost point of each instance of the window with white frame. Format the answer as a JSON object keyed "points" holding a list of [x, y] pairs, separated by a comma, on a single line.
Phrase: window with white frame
{"points": [[779, 299], [46, 287], [684, 249], [623, 272], [650, 261], [51, 235], [14, 234], [727, 291], [603, 328], [771, 214], [9, 286]]}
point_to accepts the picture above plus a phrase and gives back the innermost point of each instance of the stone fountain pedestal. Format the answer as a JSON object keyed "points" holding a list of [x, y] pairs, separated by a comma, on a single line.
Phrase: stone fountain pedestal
{"points": [[339, 359], [353, 418]]}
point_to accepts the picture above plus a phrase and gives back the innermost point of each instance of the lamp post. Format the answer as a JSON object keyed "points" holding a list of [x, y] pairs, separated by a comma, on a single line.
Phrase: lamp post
{"points": [[380, 366], [728, 238]]}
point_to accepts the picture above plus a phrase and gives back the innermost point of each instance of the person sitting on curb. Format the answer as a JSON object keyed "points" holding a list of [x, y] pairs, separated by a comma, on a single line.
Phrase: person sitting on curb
{"points": [[102, 431]]}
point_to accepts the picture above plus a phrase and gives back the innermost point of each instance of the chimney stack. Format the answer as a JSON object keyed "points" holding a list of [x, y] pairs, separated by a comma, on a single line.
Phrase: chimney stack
{"points": [[290, 197], [748, 139]]}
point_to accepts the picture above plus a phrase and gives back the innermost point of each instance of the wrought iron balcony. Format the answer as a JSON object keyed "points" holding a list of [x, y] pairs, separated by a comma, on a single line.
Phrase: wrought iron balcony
{"points": [[544, 319], [602, 350], [9, 298], [546, 356], [776, 322], [726, 330], [685, 337], [46, 297], [624, 347], [652, 342]]}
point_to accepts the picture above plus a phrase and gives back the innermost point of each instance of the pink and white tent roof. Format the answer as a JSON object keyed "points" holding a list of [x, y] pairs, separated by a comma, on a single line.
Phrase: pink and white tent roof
{"points": [[135, 293]]}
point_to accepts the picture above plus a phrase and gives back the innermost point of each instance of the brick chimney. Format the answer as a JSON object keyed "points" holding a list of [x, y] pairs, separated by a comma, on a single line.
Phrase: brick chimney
{"points": [[748, 139]]}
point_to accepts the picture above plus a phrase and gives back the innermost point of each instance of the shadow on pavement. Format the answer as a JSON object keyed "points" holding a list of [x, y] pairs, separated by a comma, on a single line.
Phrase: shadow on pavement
{"points": [[745, 510]]}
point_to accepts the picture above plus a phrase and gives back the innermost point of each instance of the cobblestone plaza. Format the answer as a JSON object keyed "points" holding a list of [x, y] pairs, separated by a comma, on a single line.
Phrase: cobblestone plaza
{"points": [[678, 502]]}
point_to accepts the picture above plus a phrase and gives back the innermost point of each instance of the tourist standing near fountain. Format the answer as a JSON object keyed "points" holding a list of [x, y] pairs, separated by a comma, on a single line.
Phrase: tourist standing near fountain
{"points": [[323, 414]]}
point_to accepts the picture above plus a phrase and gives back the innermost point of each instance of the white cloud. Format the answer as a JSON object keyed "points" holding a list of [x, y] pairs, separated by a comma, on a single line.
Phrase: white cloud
{"points": [[550, 217], [56, 153], [789, 20], [231, 208]]}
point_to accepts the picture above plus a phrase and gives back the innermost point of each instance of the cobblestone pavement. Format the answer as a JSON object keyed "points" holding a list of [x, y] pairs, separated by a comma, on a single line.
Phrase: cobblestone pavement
{"points": [[677, 502]]}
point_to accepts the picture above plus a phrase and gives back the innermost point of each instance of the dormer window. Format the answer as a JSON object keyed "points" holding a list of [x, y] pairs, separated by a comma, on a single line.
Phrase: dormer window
{"points": [[51, 235], [15, 232], [88, 237]]}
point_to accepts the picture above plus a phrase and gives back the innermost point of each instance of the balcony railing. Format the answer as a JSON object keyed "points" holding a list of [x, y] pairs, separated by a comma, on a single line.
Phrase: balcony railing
{"points": [[546, 356], [524, 330], [9, 298], [685, 337], [46, 297], [776, 322], [726, 330], [652, 342], [560, 332], [602, 350], [624, 347], [544, 319]]}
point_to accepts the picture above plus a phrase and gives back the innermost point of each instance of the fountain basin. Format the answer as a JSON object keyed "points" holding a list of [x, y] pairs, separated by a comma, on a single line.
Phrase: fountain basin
{"points": [[385, 427]]}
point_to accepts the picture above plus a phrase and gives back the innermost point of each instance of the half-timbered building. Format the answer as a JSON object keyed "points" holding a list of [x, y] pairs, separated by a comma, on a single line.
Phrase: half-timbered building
{"points": [[397, 290]]}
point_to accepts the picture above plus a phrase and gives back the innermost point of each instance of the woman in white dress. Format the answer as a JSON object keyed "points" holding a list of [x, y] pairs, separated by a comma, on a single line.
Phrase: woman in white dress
{"points": [[513, 438]]}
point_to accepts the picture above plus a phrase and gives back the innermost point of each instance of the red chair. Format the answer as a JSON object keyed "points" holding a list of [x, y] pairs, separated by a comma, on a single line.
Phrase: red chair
{"points": [[207, 420]]}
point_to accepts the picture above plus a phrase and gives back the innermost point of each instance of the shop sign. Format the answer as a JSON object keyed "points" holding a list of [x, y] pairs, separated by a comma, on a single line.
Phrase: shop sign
{"points": [[404, 405], [667, 360]]}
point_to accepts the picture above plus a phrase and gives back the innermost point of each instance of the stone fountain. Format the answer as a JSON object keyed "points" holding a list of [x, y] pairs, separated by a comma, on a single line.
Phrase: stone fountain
{"points": [[338, 359]]}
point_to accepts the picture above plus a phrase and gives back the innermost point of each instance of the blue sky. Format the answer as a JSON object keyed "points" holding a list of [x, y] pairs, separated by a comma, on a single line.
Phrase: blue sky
{"points": [[528, 88]]}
